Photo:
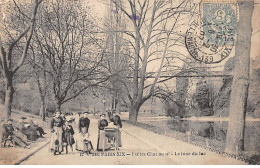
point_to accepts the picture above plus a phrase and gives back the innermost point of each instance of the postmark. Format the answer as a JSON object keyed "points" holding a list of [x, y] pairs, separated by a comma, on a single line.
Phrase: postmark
{"points": [[212, 40]]}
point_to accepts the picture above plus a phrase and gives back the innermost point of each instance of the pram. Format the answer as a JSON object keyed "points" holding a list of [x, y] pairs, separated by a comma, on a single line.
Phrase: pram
{"points": [[112, 138]]}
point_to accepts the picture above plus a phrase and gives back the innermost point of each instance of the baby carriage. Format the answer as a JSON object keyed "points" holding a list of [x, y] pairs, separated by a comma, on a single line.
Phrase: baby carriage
{"points": [[112, 135]]}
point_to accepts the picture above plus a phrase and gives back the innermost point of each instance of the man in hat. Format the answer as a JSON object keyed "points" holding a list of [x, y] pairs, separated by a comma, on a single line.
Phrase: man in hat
{"points": [[7, 129], [37, 127], [26, 129], [8, 133], [57, 130]]}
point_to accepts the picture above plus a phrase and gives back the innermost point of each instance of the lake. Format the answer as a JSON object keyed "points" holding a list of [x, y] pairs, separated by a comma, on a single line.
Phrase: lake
{"points": [[215, 131]]}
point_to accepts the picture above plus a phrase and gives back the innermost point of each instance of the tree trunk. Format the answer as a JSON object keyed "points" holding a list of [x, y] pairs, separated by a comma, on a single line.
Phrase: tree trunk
{"points": [[239, 93], [9, 92], [134, 109], [43, 110], [58, 105]]}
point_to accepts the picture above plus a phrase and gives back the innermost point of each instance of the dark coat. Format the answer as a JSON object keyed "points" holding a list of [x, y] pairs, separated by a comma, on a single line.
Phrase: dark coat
{"points": [[56, 122], [102, 124], [116, 120], [83, 123], [17, 136], [30, 132], [68, 135], [7, 130]]}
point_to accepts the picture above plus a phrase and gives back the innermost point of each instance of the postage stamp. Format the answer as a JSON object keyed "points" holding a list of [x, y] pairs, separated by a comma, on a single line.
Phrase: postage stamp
{"points": [[212, 39]]}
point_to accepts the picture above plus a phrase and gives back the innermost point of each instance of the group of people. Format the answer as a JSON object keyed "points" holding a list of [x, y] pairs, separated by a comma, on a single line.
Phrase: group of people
{"points": [[109, 132], [63, 133], [23, 133]]}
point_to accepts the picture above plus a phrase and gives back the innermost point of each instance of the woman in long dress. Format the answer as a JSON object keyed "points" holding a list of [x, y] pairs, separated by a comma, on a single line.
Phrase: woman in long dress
{"points": [[115, 119], [102, 143], [57, 131], [83, 143]]}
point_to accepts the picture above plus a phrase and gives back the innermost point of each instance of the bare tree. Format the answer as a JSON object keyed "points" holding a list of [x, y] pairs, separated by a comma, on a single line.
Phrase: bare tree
{"points": [[65, 38], [240, 84], [17, 39], [152, 33], [40, 75], [117, 60]]}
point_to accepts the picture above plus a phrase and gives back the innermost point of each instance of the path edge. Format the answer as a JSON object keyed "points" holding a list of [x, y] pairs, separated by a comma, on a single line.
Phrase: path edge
{"points": [[30, 154]]}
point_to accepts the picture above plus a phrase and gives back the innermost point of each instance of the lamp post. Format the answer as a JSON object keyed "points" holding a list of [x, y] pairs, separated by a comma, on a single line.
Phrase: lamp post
{"points": [[104, 102]]}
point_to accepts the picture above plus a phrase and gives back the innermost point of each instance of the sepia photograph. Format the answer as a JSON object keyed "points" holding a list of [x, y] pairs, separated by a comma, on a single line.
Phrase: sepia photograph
{"points": [[129, 82]]}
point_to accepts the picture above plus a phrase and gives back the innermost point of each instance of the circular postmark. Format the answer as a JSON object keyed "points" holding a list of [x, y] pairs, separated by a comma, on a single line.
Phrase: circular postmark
{"points": [[209, 43]]}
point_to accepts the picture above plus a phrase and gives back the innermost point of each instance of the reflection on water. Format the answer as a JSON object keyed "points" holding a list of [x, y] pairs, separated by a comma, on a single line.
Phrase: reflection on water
{"points": [[209, 130], [213, 130]]}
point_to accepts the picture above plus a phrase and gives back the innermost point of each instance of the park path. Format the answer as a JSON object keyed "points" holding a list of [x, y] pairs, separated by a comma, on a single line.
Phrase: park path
{"points": [[140, 147]]}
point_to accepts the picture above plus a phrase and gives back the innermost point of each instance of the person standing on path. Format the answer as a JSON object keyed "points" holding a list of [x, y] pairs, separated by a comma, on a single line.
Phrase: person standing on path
{"points": [[57, 129], [115, 119], [83, 144], [68, 133], [102, 143]]}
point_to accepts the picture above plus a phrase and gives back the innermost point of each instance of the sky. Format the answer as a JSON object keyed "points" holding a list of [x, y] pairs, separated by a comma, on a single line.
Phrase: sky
{"points": [[100, 7]]}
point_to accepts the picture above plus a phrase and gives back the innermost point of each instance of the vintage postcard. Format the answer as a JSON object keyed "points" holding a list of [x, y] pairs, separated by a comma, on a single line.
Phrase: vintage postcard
{"points": [[130, 82]]}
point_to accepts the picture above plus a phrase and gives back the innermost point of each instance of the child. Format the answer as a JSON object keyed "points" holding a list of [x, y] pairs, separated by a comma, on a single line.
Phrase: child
{"points": [[87, 145], [68, 138]]}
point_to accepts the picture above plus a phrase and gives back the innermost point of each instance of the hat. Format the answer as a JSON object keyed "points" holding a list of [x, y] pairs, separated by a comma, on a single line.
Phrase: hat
{"points": [[85, 112], [23, 118], [10, 120], [103, 115], [70, 121]]}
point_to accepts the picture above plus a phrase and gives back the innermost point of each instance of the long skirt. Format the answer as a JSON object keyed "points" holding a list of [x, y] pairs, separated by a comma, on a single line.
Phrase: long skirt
{"points": [[83, 143], [68, 138], [102, 143], [56, 139]]}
